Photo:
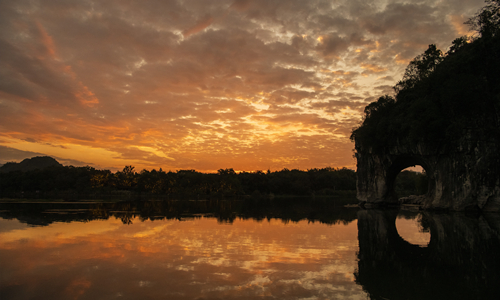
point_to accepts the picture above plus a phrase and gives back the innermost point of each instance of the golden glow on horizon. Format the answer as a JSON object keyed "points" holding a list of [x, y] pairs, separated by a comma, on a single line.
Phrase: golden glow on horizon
{"points": [[99, 156], [153, 150]]}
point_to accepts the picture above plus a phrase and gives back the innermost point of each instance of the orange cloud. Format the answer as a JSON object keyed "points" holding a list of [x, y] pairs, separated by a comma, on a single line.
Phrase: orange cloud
{"points": [[373, 68], [47, 40], [201, 25]]}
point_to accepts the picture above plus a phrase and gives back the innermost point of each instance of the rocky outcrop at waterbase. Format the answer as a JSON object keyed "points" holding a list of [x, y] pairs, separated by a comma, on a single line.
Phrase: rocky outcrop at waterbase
{"points": [[466, 177], [460, 260]]}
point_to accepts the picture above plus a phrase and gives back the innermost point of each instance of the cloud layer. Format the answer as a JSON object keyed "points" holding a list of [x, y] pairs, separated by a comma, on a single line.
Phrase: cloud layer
{"points": [[206, 84]]}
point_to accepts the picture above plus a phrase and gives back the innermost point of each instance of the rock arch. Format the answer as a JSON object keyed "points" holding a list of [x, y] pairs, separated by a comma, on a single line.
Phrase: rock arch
{"points": [[462, 175]]}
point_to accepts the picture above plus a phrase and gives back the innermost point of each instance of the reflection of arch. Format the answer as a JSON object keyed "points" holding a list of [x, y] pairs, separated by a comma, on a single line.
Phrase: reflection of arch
{"points": [[408, 229], [460, 261]]}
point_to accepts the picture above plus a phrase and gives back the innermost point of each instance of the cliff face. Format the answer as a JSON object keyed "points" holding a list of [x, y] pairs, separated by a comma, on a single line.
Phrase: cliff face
{"points": [[462, 175]]}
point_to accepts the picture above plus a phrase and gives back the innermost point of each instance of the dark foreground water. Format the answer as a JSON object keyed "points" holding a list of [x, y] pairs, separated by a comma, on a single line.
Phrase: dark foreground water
{"points": [[267, 249]]}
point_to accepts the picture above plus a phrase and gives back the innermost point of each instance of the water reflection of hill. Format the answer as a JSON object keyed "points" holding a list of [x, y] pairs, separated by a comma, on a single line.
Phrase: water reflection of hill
{"points": [[287, 209], [460, 261]]}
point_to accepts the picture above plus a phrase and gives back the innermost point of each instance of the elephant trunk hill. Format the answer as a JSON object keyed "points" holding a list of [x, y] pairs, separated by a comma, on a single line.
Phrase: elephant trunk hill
{"points": [[445, 117]]}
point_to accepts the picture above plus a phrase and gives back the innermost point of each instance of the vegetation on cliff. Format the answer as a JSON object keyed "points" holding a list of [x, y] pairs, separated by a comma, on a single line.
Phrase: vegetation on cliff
{"points": [[442, 96]]}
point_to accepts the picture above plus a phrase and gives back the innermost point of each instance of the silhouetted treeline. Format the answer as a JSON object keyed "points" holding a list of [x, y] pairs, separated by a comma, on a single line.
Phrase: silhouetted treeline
{"points": [[67, 181]]}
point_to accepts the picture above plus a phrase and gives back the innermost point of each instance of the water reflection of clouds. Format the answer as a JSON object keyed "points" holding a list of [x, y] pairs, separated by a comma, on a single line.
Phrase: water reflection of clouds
{"points": [[9, 225], [184, 259], [59, 231], [150, 232]]}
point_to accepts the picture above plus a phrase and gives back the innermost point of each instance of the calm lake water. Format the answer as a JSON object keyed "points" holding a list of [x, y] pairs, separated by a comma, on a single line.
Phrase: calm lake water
{"points": [[264, 249]]}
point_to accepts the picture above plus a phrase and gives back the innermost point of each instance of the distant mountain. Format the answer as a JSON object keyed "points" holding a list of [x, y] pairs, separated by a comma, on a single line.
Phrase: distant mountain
{"points": [[29, 164]]}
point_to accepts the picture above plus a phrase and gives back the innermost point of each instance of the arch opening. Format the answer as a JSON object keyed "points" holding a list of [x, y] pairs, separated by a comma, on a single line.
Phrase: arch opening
{"points": [[409, 180]]}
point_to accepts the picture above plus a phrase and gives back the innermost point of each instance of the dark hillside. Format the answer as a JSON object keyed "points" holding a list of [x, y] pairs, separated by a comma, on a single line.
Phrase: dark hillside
{"points": [[30, 164]]}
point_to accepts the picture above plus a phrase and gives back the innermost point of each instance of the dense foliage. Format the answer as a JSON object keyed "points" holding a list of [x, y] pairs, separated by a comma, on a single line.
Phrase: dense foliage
{"points": [[64, 181], [442, 96], [411, 183]]}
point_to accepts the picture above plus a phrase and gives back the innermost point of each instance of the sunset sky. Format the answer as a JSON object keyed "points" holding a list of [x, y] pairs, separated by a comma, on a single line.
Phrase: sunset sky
{"points": [[249, 85]]}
